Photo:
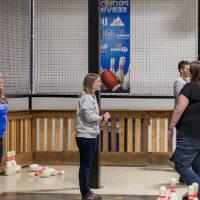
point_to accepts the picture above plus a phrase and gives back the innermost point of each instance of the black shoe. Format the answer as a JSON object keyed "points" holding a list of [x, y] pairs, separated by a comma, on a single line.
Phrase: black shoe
{"points": [[181, 180]]}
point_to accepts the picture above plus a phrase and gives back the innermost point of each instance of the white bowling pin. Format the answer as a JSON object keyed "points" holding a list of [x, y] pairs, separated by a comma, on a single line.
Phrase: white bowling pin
{"points": [[10, 170], [18, 168], [55, 172], [120, 71], [34, 174], [162, 193], [126, 84], [8, 159], [101, 70], [58, 172], [46, 173], [13, 158], [191, 192], [173, 194], [34, 167], [196, 189], [112, 65]]}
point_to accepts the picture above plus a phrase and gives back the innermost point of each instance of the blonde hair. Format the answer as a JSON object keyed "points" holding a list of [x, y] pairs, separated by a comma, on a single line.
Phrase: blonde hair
{"points": [[88, 82]]}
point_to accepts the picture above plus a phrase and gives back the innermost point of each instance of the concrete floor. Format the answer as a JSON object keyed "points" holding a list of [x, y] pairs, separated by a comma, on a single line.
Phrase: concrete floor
{"points": [[114, 180]]}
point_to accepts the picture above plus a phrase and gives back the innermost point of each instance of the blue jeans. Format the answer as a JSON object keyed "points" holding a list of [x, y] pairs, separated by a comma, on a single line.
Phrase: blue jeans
{"points": [[187, 157], [87, 148]]}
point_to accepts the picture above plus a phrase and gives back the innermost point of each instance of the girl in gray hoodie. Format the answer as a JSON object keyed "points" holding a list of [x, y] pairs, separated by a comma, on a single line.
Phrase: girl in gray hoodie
{"points": [[87, 129]]}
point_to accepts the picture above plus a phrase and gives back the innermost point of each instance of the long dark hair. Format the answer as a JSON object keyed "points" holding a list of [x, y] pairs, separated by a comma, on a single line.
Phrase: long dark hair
{"points": [[195, 72]]}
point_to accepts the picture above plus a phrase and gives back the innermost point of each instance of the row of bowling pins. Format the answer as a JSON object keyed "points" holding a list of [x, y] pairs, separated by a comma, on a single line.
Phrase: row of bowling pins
{"points": [[192, 191], [44, 172], [124, 80], [11, 166]]}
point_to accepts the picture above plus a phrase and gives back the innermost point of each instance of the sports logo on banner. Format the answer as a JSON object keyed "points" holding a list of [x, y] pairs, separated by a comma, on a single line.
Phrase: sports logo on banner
{"points": [[115, 45]]}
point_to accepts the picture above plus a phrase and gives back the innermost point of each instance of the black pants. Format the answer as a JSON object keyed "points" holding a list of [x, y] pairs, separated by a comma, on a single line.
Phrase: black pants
{"points": [[87, 148], [1, 149]]}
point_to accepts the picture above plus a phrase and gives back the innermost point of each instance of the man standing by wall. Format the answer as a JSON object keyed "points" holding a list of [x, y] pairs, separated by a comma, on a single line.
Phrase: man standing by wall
{"points": [[184, 70]]}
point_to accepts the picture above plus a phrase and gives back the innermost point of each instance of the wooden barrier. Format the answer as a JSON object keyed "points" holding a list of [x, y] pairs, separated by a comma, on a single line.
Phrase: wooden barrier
{"points": [[130, 137], [18, 137]]}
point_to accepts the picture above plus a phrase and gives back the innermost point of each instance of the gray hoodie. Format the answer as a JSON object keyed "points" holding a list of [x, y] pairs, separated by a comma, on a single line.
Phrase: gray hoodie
{"points": [[87, 117]]}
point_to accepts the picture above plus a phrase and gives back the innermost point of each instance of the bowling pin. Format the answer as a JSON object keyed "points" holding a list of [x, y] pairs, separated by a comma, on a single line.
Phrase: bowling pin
{"points": [[34, 174], [46, 173], [101, 70], [191, 192], [55, 172], [14, 163], [58, 172], [13, 158], [112, 65], [8, 159], [196, 189], [173, 195], [120, 71], [126, 84], [162, 193], [10, 170]]}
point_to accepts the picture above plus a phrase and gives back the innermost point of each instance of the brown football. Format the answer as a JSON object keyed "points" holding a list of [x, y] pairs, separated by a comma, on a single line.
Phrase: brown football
{"points": [[110, 80]]}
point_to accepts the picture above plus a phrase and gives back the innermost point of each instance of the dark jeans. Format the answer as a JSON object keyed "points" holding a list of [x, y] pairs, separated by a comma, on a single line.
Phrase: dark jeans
{"points": [[87, 148], [187, 157]]}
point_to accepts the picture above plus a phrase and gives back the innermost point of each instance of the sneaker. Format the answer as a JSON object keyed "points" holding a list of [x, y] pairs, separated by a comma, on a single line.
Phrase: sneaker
{"points": [[95, 195], [91, 196]]}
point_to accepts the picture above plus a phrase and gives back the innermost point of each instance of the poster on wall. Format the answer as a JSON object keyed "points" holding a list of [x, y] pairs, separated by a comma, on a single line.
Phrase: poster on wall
{"points": [[115, 45]]}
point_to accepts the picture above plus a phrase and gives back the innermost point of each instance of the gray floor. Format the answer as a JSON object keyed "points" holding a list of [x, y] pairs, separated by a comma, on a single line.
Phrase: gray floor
{"points": [[114, 180]]}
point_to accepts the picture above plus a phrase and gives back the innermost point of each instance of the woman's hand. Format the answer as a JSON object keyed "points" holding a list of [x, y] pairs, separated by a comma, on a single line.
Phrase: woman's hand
{"points": [[170, 133], [177, 113], [106, 116]]}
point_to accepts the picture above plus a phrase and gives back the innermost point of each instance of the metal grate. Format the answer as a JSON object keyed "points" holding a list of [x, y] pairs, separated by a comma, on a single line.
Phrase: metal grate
{"points": [[15, 45], [60, 46]]}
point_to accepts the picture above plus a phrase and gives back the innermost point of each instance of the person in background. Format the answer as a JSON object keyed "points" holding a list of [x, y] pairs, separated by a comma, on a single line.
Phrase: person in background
{"points": [[87, 130], [3, 115], [186, 118], [184, 70]]}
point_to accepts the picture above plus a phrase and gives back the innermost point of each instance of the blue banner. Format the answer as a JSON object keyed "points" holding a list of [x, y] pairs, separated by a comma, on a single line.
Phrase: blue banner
{"points": [[115, 45]]}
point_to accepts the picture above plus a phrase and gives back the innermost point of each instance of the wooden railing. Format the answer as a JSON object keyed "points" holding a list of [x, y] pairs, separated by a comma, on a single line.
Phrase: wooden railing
{"points": [[18, 137], [130, 138], [18, 134], [128, 131]]}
